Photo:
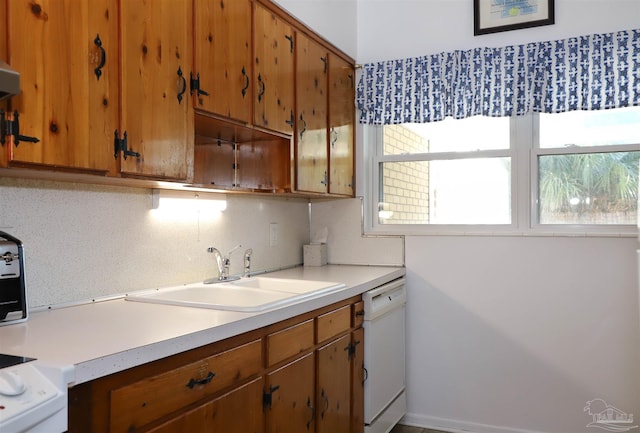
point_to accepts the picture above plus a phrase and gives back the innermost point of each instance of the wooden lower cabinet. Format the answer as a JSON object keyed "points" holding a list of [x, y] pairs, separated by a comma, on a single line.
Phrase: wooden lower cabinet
{"points": [[300, 375], [334, 387], [291, 404], [239, 411], [358, 376]]}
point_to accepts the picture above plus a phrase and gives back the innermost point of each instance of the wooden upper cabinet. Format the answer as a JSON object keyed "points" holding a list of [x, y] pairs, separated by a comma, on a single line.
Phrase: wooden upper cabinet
{"points": [[312, 71], [157, 114], [223, 58], [274, 47], [341, 126], [67, 54]]}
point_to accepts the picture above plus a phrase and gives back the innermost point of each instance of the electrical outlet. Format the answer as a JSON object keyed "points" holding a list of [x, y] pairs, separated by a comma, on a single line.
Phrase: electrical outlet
{"points": [[273, 234]]}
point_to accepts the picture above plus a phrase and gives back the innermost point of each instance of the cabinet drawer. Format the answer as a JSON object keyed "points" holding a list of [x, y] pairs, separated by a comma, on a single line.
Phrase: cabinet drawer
{"points": [[357, 312], [289, 342], [333, 323], [139, 403]]}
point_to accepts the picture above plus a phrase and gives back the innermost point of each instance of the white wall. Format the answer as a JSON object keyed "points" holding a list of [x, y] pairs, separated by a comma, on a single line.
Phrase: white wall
{"points": [[335, 20], [511, 334], [83, 241], [342, 220], [393, 29], [516, 334]]}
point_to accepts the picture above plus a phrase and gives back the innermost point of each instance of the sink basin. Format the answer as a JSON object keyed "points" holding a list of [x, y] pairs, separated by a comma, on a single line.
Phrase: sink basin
{"points": [[287, 285], [244, 295]]}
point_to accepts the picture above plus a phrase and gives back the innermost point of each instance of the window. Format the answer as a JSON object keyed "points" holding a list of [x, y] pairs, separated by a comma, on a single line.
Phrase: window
{"points": [[587, 165], [567, 172]]}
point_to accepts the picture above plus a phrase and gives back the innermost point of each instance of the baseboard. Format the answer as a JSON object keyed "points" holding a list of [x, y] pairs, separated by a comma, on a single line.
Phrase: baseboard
{"points": [[456, 426]]}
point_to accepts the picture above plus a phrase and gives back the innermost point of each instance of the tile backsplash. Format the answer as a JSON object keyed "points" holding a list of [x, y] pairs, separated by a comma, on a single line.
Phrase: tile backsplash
{"points": [[84, 242]]}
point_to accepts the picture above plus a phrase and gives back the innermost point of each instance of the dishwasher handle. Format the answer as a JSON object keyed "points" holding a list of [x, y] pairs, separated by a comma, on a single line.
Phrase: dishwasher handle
{"points": [[383, 299]]}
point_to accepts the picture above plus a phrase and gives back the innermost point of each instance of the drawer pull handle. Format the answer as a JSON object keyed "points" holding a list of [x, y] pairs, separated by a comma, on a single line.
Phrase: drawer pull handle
{"points": [[359, 313], [193, 382]]}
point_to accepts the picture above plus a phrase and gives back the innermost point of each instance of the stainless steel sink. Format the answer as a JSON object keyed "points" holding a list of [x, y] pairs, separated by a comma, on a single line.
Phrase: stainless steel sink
{"points": [[244, 295]]}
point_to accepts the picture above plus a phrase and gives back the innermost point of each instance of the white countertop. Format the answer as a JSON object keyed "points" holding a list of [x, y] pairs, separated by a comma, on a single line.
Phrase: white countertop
{"points": [[101, 338]]}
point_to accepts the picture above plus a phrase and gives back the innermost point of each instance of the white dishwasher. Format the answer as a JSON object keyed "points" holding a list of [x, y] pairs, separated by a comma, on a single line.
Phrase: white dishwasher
{"points": [[384, 354]]}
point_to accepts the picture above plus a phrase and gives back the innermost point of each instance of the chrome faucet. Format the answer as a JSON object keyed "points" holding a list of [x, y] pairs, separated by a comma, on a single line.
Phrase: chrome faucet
{"points": [[247, 263], [223, 262]]}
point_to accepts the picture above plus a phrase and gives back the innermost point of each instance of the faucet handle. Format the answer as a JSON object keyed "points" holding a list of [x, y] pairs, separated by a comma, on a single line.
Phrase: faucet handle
{"points": [[247, 262], [233, 250]]}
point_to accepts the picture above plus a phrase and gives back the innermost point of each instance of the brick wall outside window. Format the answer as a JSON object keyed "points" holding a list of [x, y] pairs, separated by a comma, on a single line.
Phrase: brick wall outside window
{"points": [[405, 185]]}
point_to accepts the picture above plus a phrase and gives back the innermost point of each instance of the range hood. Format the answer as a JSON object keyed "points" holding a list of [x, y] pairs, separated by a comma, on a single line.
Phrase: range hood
{"points": [[9, 81]]}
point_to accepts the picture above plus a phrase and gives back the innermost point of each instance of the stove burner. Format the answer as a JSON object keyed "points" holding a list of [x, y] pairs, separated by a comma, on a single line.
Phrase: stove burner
{"points": [[11, 360]]}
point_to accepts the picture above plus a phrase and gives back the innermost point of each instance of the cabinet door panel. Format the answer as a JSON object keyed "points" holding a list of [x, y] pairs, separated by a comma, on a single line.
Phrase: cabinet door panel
{"points": [[292, 406], [357, 381], [63, 102], [273, 73], [341, 126], [311, 125], [334, 387], [223, 57], [156, 63]]}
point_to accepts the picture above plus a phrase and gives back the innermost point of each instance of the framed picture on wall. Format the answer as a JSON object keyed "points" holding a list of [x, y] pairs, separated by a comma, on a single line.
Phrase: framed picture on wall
{"points": [[491, 16]]}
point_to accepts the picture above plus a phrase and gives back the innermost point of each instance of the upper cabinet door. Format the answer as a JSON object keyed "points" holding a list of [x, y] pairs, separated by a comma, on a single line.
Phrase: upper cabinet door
{"points": [[67, 54], [311, 122], [157, 114], [341, 126], [273, 73], [223, 58]]}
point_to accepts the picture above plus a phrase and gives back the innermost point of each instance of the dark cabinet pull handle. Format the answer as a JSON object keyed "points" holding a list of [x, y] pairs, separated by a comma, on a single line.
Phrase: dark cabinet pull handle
{"points": [[11, 128], [324, 179], [184, 84], [324, 60], [312, 410], [194, 84], [359, 313], [262, 88], [304, 126], [325, 399], [267, 397], [334, 140], [290, 39], [291, 120], [365, 374], [103, 57], [122, 145], [193, 382], [246, 82]]}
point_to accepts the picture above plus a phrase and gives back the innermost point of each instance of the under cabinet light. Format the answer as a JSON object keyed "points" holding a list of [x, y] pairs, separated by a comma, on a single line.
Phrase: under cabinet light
{"points": [[187, 201]]}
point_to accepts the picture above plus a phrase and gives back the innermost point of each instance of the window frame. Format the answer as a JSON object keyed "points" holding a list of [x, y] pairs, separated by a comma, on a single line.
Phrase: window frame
{"points": [[524, 151]]}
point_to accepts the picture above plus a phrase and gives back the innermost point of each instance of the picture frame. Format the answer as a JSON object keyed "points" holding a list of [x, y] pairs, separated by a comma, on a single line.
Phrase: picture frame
{"points": [[492, 16]]}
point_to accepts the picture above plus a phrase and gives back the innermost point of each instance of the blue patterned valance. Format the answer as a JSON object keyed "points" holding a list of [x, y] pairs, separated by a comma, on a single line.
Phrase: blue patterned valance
{"points": [[583, 73]]}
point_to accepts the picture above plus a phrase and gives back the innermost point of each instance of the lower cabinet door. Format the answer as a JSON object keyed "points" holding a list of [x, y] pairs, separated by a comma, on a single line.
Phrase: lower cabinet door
{"points": [[289, 397], [357, 381], [334, 387], [239, 411]]}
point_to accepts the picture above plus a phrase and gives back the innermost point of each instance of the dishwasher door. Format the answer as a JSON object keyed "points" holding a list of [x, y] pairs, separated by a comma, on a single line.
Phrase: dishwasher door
{"points": [[384, 355]]}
